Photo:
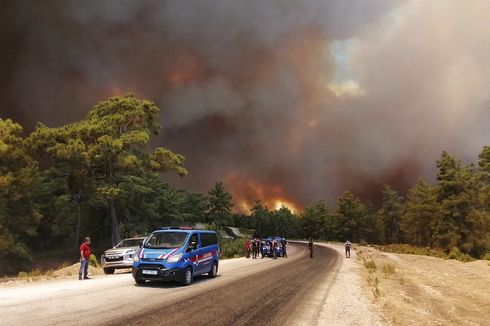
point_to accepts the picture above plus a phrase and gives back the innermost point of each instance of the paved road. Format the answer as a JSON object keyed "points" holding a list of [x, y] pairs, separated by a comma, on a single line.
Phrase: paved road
{"points": [[247, 292]]}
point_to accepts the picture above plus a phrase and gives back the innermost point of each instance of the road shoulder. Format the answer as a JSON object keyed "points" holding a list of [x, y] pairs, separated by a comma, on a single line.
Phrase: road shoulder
{"points": [[341, 298]]}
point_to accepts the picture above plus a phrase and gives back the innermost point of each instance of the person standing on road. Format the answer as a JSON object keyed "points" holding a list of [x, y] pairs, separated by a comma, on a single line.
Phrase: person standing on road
{"points": [[84, 259], [254, 249], [347, 249], [310, 246], [284, 245], [274, 249], [263, 247], [248, 248]]}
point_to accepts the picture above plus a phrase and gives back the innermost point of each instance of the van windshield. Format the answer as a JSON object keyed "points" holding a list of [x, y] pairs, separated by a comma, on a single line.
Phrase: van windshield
{"points": [[166, 240]]}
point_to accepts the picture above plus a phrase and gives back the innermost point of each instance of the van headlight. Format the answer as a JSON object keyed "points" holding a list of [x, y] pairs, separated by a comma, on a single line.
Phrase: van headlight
{"points": [[136, 258], [174, 258]]}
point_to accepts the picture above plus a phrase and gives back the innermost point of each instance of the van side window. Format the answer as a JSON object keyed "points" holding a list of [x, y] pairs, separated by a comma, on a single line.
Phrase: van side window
{"points": [[195, 240], [209, 239]]}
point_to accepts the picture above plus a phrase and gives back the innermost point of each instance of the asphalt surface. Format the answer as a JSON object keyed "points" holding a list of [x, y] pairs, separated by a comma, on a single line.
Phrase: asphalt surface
{"points": [[271, 297], [246, 292]]}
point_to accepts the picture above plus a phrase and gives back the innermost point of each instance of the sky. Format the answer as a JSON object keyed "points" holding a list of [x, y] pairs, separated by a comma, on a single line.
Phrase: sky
{"points": [[285, 102]]}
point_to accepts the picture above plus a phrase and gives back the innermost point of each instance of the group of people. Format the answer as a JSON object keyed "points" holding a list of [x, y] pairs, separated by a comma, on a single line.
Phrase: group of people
{"points": [[255, 247]]}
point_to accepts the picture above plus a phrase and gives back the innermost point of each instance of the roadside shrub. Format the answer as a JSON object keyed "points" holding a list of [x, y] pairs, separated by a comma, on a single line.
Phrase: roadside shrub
{"points": [[370, 264], [388, 269], [93, 261], [232, 248], [458, 255], [486, 256], [376, 290]]}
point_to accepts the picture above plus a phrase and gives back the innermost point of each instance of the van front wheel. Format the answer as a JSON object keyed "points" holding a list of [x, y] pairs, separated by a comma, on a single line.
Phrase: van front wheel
{"points": [[214, 271], [187, 277], [109, 270]]}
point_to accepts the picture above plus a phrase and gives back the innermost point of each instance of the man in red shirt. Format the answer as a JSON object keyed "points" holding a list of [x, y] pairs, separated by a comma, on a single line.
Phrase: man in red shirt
{"points": [[84, 259]]}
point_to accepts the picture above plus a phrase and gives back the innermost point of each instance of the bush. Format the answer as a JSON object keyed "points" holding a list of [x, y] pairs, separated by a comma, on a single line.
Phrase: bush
{"points": [[93, 261], [486, 256], [388, 269], [232, 248], [458, 255], [370, 264]]}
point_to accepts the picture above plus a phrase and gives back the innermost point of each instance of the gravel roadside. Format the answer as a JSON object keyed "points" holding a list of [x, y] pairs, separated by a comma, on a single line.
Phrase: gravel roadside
{"points": [[341, 300]]}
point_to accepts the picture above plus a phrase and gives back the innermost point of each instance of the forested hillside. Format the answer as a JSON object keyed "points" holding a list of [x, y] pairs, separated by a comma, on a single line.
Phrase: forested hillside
{"points": [[98, 177]]}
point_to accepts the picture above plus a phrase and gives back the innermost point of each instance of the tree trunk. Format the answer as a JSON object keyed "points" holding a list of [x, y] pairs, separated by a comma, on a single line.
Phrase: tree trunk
{"points": [[116, 235]]}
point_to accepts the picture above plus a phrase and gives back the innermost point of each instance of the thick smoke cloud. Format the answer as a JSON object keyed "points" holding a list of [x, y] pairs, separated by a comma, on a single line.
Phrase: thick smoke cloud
{"points": [[293, 101]]}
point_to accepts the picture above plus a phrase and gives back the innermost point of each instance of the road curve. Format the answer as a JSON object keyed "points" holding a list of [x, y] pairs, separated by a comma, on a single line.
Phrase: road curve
{"points": [[271, 297], [246, 292]]}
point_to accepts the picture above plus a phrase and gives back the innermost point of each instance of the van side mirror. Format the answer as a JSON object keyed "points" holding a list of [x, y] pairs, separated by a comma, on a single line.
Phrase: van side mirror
{"points": [[140, 244]]}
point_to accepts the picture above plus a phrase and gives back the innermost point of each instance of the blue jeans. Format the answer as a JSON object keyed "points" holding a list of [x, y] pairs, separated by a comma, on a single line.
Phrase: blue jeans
{"points": [[83, 268]]}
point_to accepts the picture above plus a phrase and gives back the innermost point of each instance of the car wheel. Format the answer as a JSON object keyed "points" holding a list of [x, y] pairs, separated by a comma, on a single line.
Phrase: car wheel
{"points": [[214, 271], [187, 277], [140, 282], [109, 270]]}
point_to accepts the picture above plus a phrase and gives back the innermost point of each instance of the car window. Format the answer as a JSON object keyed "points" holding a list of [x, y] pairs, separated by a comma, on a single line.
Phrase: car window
{"points": [[166, 240], [209, 239]]}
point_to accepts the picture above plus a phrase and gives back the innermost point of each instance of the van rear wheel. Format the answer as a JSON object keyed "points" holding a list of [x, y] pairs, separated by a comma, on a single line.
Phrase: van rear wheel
{"points": [[214, 271], [187, 277]]}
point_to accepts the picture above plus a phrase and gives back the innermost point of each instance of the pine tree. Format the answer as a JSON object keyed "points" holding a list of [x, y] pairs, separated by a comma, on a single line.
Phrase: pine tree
{"points": [[421, 209], [457, 195], [19, 213], [352, 218], [391, 213], [107, 147], [220, 205]]}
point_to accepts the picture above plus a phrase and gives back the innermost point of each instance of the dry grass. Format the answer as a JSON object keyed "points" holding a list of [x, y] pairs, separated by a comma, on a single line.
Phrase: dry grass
{"points": [[420, 290]]}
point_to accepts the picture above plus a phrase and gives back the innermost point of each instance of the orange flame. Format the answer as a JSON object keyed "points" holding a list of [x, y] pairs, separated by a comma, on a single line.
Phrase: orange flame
{"points": [[246, 192], [187, 69]]}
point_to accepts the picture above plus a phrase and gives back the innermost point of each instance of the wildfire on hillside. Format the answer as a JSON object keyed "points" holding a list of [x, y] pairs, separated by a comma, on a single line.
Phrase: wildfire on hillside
{"points": [[247, 192]]}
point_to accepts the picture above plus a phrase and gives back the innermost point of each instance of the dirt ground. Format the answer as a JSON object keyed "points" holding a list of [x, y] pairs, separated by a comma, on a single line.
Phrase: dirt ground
{"points": [[421, 290], [67, 272]]}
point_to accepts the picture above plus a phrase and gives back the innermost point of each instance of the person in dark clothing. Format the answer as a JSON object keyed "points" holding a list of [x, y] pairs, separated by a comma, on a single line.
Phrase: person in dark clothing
{"points": [[254, 249], [84, 259], [347, 249], [274, 249], [310, 246], [284, 245]]}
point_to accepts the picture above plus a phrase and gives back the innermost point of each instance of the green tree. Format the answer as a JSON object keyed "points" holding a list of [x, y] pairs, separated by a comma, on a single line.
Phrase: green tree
{"points": [[421, 209], [220, 205], [352, 218], [283, 222], [109, 146], [19, 214], [457, 194], [317, 222], [391, 212], [194, 207], [263, 220]]}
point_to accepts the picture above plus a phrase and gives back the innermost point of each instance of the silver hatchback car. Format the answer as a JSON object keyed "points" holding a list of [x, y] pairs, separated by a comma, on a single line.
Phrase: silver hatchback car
{"points": [[120, 256]]}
